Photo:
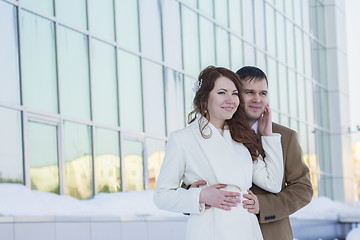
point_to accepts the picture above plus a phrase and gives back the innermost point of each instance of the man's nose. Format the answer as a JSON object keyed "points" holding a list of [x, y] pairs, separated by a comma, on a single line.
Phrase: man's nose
{"points": [[256, 98]]}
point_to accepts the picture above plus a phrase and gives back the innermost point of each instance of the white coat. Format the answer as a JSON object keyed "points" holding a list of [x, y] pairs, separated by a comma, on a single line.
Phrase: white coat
{"points": [[189, 157]]}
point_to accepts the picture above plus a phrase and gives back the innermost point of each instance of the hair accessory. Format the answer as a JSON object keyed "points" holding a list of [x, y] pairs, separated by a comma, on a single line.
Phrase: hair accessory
{"points": [[197, 85]]}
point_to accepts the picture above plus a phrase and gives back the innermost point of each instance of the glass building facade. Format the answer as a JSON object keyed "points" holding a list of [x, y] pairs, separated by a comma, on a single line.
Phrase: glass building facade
{"points": [[90, 89]]}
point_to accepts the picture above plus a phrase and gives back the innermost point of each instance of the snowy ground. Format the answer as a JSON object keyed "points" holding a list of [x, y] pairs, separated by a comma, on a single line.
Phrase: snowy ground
{"points": [[17, 200]]}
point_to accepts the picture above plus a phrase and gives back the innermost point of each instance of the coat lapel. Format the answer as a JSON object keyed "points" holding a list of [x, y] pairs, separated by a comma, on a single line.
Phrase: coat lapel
{"points": [[225, 156]]}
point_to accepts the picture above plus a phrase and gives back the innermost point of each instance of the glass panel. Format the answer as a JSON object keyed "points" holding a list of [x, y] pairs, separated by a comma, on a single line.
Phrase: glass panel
{"points": [[248, 23], [222, 48], [72, 12], [133, 165], [306, 15], [283, 89], [153, 98], [38, 63], [273, 84], [234, 16], [298, 11], [289, 9], [172, 34], [249, 55], [236, 53], [101, 18], [270, 30], [280, 4], [189, 96], [78, 169], [294, 125], [44, 169], [156, 152], [174, 100], [127, 24], [299, 50], [260, 24], [190, 41], [45, 6], [307, 55], [290, 45], [261, 61], [205, 6], [324, 108], [310, 101], [221, 13], [207, 43], [11, 152], [107, 161], [131, 115], [150, 29], [9, 62], [192, 3], [313, 161], [301, 97], [292, 93], [73, 73], [280, 30], [104, 85]]}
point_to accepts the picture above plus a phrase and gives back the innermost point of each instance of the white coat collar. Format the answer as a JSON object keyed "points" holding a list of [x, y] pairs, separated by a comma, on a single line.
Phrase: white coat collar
{"points": [[222, 153]]}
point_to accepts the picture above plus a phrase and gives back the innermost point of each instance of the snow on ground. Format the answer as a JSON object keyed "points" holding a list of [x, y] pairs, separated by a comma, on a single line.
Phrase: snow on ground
{"points": [[18, 200]]}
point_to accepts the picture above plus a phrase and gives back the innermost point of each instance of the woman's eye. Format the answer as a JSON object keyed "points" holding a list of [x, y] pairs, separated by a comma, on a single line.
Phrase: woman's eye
{"points": [[221, 92]]}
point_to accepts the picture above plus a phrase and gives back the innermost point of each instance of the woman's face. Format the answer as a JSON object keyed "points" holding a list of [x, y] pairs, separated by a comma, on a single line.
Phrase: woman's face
{"points": [[223, 101]]}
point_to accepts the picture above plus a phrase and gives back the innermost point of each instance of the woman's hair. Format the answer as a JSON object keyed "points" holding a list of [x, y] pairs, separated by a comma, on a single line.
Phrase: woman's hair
{"points": [[238, 125]]}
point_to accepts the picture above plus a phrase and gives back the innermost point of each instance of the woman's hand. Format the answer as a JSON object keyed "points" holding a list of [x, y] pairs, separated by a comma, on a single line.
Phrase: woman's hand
{"points": [[252, 203], [265, 122], [215, 197]]}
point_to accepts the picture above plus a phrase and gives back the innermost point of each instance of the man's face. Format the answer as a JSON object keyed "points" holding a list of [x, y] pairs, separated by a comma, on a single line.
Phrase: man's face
{"points": [[255, 96]]}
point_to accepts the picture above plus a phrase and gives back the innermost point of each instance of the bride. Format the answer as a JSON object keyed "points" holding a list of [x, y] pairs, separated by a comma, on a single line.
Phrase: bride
{"points": [[219, 147]]}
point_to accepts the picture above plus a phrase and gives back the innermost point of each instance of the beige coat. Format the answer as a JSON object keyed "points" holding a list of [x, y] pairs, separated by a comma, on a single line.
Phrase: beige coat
{"points": [[189, 158], [296, 190]]}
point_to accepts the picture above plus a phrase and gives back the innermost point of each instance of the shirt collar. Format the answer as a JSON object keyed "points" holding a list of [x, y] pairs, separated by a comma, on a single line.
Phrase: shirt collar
{"points": [[255, 127]]}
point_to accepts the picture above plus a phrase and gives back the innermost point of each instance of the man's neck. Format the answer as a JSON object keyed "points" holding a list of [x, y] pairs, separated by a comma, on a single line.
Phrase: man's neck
{"points": [[251, 122]]}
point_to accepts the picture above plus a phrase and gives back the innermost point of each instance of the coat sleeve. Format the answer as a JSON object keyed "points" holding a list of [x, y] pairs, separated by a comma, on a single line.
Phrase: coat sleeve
{"points": [[297, 191], [168, 193], [268, 174]]}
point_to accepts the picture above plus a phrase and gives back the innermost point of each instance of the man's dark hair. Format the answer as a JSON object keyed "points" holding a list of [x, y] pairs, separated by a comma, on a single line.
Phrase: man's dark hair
{"points": [[249, 73]]}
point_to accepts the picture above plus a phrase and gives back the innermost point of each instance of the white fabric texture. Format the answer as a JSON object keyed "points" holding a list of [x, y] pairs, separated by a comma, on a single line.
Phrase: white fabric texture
{"points": [[190, 157]]}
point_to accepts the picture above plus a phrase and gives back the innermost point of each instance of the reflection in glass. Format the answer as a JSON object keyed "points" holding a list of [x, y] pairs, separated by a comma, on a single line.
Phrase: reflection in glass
{"points": [[221, 13], [280, 37], [301, 97], [101, 18], [234, 16], [73, 73], [107, 161], [43, 156], [156, 151], [236, 53], [104, 85], [130, 89], [283, 89], [270, 31], [9, 62], [249, 54], [77, 160], [174, 100], [189, 96], [293, 90], [150, 29], [171, 33], [222, 48], [153, 98], [190, 41], [38, 63], [260, 24], [299, 50], [74, 15], [11, 152], [127, 24], [45, 6], [247, 14], [205, 6], [310, 101], [133, 165], [272, 76], [290, 45], [207, 43]]}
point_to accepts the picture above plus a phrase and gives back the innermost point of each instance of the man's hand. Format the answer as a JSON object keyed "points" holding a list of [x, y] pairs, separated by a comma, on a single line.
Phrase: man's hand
{"points": [[265, 122], [215, 197], [252, 203]]}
